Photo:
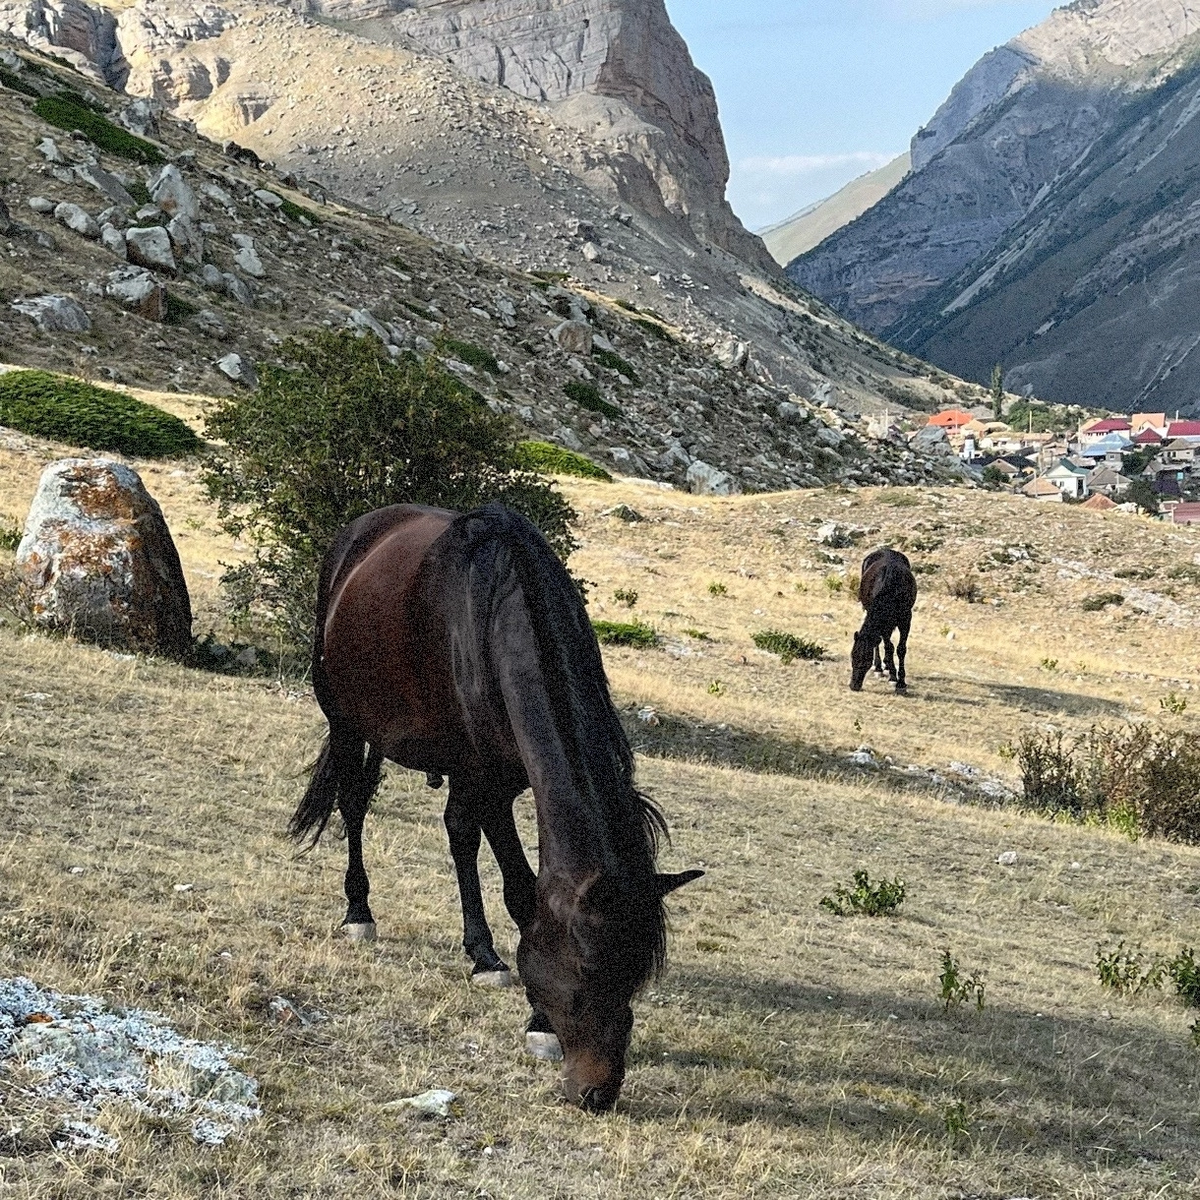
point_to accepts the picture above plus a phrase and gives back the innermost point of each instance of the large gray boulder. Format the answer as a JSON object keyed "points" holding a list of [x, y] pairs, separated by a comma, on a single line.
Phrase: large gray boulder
{"points": [[97, 561], [138, 290], [174, 195], [706, 480], [150, 246], [54, 314]]}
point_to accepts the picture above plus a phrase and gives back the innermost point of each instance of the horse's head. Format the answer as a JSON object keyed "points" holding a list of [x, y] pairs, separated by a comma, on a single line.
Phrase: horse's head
{"points": [[861, 658], [590, 948]]}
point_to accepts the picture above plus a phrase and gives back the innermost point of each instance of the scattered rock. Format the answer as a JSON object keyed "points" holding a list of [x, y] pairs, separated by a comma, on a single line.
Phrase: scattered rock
{"points": [[113, 240], [234, 367], [77, 220], [106, 183], [623, 513], [435, 1103], [138, 290], [732, 354], [649, 716], [174, 195], [575, 337], [360, 319], [592, 253], [6, 223], [48, 149], [54, 314], [97, 560], [1008, 858], [247, 259], [706, 480], [40, 204], [268, 199], [150, 246], [141, 117]]}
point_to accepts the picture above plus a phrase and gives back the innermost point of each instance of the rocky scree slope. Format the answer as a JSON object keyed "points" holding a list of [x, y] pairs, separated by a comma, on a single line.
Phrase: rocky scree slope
{"points": [[182, 274], [598, 155], [1026, 118]]}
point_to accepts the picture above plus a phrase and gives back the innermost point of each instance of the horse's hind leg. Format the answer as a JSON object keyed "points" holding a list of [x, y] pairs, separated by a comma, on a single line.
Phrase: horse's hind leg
{"points": [[905, 626], [465, 832], [878, 661], [359, 781], [890, 655]]}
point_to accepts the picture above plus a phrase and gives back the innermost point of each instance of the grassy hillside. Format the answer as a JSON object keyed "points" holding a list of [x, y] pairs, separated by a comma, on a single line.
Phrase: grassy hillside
{"points": [[787, 1052]]}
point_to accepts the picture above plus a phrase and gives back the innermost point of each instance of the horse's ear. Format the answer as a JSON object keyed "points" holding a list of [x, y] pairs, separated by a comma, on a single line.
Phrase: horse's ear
{"points": [[670, 883]]}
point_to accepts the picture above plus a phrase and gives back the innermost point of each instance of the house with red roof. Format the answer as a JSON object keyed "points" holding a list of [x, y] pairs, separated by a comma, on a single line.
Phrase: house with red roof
{"points": [[1097, 431], [1186, 514], [1148, 437], [1184, 429], [1155, 421], [952, 420]]}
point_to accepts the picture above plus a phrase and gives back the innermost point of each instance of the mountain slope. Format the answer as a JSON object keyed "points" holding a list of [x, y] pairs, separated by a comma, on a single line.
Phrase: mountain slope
{"points": [[1021, 120], [812, 225]]}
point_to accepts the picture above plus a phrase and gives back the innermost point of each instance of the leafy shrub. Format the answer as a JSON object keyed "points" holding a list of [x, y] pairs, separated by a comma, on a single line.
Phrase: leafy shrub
{"points": [[625, 633], [627, 306], [958, 989], [871, 900], [472, 355], [1173, 703], [698, 634], [716, 688], [835, 584], [655, 330], [296, 212], [548, 459], [1143, 782], [965, 588], [139, 191], [898, 497], [15, 83], [10, 535], [69, 111], [179, 309], [717, 589], [67, 410], [626, 596], [788, 646], [337, 429], [1102, 601], [606, 358], [586, 396], [1124, 971], [994, 477]]}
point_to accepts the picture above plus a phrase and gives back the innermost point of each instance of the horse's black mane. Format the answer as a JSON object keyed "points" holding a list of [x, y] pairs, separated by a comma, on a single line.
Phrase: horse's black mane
{"points": [[506, 552]]}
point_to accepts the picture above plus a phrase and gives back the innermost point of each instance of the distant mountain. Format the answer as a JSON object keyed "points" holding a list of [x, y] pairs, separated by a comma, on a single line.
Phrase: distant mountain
{"points": [[1044, 223], [812, 225]]}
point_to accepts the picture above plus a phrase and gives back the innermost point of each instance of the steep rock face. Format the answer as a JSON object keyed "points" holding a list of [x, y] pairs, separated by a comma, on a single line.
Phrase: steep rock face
{"points": [[1091, 298], [1020, 120], [617, 70]]}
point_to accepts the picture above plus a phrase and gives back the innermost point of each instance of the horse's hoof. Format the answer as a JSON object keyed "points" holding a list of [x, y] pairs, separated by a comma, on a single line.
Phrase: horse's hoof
{"points": [[543, 1046], [492, 979], [364, 932]]}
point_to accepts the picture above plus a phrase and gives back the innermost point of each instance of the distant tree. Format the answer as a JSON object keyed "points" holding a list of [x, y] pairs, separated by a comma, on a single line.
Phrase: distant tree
{"points": [[1136, 461], [998, 391], [1141, 492], [339, 429], [994, 477]]}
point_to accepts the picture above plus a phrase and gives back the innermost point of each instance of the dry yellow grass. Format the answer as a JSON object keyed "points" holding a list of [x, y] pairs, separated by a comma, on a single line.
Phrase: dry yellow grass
{"points": [[787, 1052]]}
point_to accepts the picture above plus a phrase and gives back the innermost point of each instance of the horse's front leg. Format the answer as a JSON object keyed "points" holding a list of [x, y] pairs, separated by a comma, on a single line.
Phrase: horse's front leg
{"points": [[520, 887], [878, 661], [890, 655], [465, 833]]}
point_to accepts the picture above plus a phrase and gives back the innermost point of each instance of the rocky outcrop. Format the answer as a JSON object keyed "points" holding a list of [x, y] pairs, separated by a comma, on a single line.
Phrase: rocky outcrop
{"points": [[97, 560], [1020, 121]]}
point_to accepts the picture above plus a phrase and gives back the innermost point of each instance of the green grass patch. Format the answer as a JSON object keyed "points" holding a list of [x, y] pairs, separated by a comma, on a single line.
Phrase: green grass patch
{"points": [[80, 414], [606, 358], [70, 111], [15, 83], [472, 355], [788, 646], [626, 633], [866, 898], [627, 306], [179, 309], [548, 459], [586, 396], [139, 191], [295, 212], [10, 534], [1102, 601], [423, 313], [655, 330]]}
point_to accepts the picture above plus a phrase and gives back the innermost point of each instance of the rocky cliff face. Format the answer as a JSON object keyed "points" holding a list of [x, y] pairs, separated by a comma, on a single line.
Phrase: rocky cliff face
{"points": [[1020, 122]]}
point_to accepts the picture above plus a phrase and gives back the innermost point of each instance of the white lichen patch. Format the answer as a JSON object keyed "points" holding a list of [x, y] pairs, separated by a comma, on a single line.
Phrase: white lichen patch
{"points": [[75, 1050]]}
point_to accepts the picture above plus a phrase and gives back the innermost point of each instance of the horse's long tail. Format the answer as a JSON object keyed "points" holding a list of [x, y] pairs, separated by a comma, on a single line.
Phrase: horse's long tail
{"points": [[346, 774]]}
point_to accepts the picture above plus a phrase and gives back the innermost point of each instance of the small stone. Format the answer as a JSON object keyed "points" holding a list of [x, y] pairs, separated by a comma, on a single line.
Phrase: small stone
{"points": [[706, 480], [77, 220], [138, 290], [173, 194], [48, 149], [575, 337], [247, 656], [1008, 858], [184, 887], [113, 240], [106, 183], [234, 367], [40, 204], [247, 259], [435, 1103], [268, 199], [649, 716], [592, 253], [623, 513]]}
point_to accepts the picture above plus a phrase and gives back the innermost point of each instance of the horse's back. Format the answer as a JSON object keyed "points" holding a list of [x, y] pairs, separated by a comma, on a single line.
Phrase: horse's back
{"points": [[382, 644], [887, 573]]}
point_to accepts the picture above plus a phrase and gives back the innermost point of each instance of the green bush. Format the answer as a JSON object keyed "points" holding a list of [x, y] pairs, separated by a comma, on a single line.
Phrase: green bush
{"points": [[472, 355], [1102, 601], [606, 358], [15, 83], [788, 646], [67, 410], [548, 459], [423, 313], [10, 534], [625, 633], [70, 111], [865, 898], [958, 988], [655, 330], [337, 429], [294, 212], [586, 396]]}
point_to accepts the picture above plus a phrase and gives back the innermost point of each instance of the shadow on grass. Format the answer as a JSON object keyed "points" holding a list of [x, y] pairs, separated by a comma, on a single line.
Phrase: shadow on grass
{"points": [[1105, 1092], [1034, 700], [683, 739]]}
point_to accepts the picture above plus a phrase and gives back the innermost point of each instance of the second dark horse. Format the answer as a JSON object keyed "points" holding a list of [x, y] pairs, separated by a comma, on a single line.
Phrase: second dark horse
{"points": [[888, 592], [459, 646]]}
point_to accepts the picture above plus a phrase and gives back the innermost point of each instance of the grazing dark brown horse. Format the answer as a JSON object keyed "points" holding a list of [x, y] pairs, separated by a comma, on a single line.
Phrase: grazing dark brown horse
{"points": [[888, 592], [459, 646]]}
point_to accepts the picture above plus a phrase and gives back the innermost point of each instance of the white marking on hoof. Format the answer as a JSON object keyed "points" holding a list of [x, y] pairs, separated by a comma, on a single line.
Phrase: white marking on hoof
{"points": [[543, 1046], [493, 979], [361, 933]]}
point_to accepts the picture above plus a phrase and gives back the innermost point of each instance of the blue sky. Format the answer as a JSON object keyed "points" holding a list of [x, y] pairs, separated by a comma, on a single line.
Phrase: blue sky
{"points": [[816, 92]]}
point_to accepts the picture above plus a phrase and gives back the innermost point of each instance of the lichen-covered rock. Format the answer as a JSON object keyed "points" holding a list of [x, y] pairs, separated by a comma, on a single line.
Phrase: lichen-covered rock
{"points": [[97, 560]]}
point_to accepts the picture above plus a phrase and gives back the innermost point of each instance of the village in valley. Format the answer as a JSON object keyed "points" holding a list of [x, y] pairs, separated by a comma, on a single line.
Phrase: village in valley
{"points": [[1141, 463]]}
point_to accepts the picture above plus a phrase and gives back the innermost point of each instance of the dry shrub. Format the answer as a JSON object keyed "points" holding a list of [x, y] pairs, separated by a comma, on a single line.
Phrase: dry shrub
{"points": [[1143, 781], [966, 588]]}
